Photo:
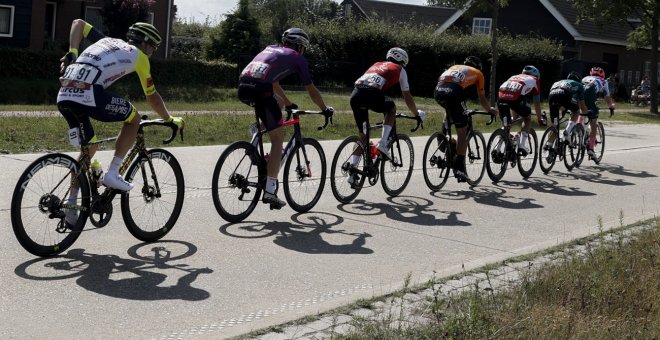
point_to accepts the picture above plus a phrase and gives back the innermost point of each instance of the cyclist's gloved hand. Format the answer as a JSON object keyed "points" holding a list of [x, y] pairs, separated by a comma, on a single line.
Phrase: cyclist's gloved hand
{"points": [[68, 58], [291, 107], [542, 120], [329, 111], [612, 110], [421, 114], [178, 121]]}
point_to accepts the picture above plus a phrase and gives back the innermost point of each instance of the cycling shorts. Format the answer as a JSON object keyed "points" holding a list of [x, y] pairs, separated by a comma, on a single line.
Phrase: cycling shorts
{"points": [[519, 106], [451, 97], [590, 97], [559, 99], [262, 98], [365, 99], [109, 108]]}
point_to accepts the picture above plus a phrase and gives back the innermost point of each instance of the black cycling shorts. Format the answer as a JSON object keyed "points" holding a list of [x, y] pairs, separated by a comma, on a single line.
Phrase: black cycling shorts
{"points": [[262, 98], [561, 98], [365, 99], [519, 106], [451, 97], [109, 108]]}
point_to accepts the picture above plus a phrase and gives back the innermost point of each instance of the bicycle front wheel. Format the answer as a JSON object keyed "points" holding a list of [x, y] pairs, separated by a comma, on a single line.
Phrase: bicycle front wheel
{"points": [[395, 173], [41, 222], [549, 147], [574, 147], [344, 180], [599, 147], [498, 144], [435, 161], [527, 162], [304, 175], [236, 188], [152, 208], [475, 158]]}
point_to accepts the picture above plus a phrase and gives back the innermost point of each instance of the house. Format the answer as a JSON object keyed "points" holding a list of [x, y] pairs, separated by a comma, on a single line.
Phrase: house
{"points": [[585, 44], [45, 24]]}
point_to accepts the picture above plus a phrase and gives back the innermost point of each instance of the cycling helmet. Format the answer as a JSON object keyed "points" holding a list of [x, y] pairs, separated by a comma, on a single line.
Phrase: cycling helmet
{"points": [[398, 55], [296, 37], [532, 71], [144, 32], [574, 76], [474, 61], [597, 71]]}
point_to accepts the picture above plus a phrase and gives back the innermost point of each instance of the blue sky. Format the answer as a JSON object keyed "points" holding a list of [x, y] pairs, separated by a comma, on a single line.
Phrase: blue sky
{"points": [[200, 10]]}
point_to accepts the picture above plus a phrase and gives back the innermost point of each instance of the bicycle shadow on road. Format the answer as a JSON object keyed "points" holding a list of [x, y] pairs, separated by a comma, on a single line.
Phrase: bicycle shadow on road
{"points": [[593, 174], [304, 234], [407, 209], [617, 169], [140, 277], [543, 185], [494, 196]]}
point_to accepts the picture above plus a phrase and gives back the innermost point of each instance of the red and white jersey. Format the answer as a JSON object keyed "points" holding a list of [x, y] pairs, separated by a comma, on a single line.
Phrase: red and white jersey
{"points": [[520, 85], [383, 75]]}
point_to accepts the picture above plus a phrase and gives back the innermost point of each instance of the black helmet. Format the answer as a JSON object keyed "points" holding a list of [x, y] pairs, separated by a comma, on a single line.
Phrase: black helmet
{"points": [[574, 76], [296, 37], [144, 32], [473, 61]]}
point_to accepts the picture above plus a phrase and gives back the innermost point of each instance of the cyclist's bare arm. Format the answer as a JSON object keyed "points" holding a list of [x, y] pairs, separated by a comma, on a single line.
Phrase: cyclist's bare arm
{"points": [[76, 33], [315, 95], [485, 104], [410, 102], [610, 102], [583, 107], [157, 104]]}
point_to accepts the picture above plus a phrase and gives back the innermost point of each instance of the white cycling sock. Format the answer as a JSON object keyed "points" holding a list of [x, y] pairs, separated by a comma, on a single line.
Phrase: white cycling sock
{"points": [[115, 164], [570, 126], [271, 184], [386, 133]]}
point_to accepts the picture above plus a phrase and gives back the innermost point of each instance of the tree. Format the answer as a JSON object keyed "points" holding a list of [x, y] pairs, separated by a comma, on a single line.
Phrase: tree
{"points": [[238, 34], [119, 15], [276, 16], [492, 7], [606, 12]]}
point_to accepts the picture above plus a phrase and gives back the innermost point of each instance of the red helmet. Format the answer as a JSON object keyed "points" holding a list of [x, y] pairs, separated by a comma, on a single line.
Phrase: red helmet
{"points": [[597, 71]]}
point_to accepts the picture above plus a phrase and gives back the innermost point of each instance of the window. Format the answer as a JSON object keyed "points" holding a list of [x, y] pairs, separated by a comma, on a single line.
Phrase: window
{"points": [[49, 22], [622, 76], [348, 10], [93, 17], [630, 78], [637, 77], [150, 18], [6, 21], [481, 25]]}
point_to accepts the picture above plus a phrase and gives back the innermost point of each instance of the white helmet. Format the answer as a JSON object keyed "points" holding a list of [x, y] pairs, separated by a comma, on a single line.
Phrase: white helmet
{"points": [[398, 55]]}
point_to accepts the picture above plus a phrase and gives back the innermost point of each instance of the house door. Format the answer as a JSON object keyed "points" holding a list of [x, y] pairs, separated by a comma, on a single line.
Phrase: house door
{"points": [[612, 61], [50, 21]]}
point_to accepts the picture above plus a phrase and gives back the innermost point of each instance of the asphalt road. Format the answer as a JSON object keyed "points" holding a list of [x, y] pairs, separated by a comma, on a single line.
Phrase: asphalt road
{"points": [[222, 280]]}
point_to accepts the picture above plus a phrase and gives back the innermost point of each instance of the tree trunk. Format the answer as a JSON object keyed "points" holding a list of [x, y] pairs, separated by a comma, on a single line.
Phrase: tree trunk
{"points": [[654, 59], [493, 48]]}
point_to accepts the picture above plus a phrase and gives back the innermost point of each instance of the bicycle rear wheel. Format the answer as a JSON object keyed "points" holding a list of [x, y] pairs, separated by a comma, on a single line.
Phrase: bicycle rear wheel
{"points": [[395, 173], [236, 188], [574, 147], [152, 208], [304, 175], [548, 151], [475, 158], [342, 170], [435, 163], [498, 144], [37, 211], [527, 163], [599, 147]]}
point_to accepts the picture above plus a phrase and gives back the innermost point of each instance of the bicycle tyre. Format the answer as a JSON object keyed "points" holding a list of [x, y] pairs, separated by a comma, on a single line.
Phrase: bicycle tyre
{"points": [[340, 170], [547, 158], [527, 163], [40, 182], [152, 208], [498, 159], [574, 147], [435, 164], [476, 158], [305, 178], [396, 172], [229, 188], [583, 146], [599, 148]]}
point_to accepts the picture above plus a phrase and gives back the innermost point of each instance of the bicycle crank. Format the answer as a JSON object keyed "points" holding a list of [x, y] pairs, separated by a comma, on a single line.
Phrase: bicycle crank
{"points": [[101, 211]]}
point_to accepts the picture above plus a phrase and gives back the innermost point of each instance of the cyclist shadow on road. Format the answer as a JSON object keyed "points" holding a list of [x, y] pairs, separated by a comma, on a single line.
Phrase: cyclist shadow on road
{"points": [[494, 196], [305, 234], [407, 209], [543, 185], [595, 175], [140, 277], [620, 170]]}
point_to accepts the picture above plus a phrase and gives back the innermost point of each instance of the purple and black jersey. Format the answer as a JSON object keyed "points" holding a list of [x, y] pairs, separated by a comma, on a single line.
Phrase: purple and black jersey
{"points": [[274, 63]]}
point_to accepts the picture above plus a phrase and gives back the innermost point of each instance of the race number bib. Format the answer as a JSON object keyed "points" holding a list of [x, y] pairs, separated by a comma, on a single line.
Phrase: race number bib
{"points": [[372, 80], [81, 73], [511, 86], [452, 76], [256, 70]]}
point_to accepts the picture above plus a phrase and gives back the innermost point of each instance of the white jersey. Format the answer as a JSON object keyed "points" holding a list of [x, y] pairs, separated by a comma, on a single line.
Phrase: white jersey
{"points": [[600, 84]]}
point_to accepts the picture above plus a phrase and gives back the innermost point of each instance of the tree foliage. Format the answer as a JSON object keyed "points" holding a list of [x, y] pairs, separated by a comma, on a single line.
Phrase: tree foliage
{"points": [[276, 16], [238, 34], [119, 15]]}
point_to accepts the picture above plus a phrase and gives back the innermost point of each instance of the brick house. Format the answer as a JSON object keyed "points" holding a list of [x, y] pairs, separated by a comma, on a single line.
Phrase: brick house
{"points": [[45, 24]]}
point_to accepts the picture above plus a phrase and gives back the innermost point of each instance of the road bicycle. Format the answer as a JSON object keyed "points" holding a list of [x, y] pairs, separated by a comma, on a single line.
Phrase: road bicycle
{"points": [[599, 146], [40, 203], [347, 179], [557, 145], [504, 151], [440, 152], [240, 174]]}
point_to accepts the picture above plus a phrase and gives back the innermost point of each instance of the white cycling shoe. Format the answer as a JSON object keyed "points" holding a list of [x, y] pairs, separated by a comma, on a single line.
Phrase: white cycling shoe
{"points": [[115, 181]]}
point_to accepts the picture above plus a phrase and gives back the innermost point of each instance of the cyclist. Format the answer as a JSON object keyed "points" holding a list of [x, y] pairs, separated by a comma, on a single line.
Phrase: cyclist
{"points": [[569, 95], [511, 97], [451, 93], [369, 93], [86, 77], [259, 87], [594, 85]]}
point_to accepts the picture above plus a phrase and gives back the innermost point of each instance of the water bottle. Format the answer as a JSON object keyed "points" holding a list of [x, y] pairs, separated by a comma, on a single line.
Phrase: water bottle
{"points": [[373, 150], [253, 129], [97, 172]]}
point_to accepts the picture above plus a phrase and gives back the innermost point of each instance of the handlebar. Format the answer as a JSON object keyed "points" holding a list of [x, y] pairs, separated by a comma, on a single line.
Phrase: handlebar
{"points": [[417, 118], [296, 112], [160, 122], [493, 117]]}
